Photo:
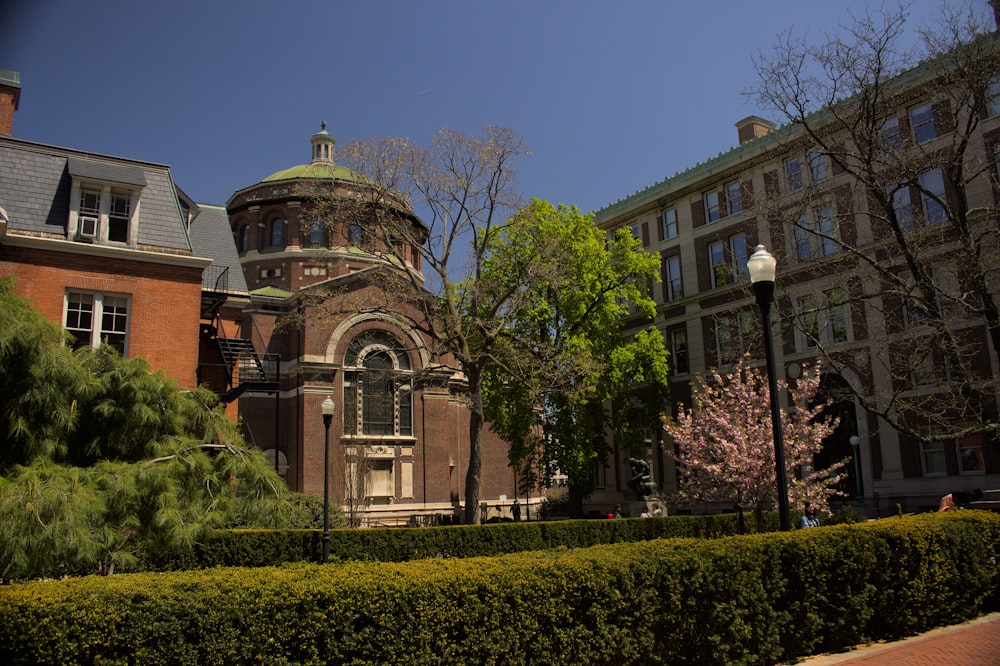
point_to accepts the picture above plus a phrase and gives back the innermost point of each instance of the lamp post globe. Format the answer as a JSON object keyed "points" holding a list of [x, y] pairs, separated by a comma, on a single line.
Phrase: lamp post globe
{"points": [[762, 267], [327, 408]]}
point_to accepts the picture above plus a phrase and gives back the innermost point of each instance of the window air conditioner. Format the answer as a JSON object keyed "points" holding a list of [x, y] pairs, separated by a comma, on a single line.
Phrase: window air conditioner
{"points": [[88, 227]]}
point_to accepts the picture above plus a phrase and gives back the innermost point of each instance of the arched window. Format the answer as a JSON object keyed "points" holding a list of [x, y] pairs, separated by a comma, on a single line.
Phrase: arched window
{"points": [[243, 239], [377, 387], [315, 238], [276, 231]]}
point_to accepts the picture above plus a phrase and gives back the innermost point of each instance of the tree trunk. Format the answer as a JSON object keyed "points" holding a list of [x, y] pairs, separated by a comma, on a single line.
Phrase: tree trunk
{"points": [[472, 514]]}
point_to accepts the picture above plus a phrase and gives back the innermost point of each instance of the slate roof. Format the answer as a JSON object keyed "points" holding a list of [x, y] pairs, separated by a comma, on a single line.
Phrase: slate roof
{"points": [[212, 237], [35, 183]]}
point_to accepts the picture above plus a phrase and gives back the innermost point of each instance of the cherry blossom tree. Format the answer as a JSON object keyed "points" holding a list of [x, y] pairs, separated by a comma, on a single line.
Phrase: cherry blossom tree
{"points": [[724, 446]]}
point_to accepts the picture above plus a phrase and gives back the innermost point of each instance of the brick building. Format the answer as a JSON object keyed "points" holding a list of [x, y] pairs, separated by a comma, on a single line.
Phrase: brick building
{"points": [[321, 309], [839, 292], [99, 244]]}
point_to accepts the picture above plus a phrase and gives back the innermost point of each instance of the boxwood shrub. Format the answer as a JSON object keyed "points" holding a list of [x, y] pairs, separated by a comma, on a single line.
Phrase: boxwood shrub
{"points": [[757, 599], [266, 547]]}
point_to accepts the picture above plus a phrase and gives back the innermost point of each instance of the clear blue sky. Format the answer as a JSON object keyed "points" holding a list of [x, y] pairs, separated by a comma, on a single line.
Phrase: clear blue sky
{"points": [[610, 96]]}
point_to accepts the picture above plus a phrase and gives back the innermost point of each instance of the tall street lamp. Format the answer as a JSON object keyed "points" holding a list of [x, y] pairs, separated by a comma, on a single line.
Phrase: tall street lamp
{"points": [[859, 499], [761, 266], [327, 419]]}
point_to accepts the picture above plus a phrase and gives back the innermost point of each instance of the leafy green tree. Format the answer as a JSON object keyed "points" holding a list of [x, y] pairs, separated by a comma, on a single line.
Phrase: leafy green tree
{"points": [[562, 356], [103, 458]]}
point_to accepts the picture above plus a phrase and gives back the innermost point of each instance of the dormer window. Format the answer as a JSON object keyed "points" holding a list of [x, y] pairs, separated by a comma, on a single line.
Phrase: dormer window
{"points": [[104, 202]]}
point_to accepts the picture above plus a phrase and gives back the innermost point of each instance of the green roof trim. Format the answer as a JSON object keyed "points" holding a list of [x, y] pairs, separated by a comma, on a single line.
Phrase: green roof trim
{"points": [[272, 292]]}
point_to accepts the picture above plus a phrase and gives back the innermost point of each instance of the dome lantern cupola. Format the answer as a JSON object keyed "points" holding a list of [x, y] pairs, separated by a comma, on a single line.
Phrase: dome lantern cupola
{"points": [[322, 146]]}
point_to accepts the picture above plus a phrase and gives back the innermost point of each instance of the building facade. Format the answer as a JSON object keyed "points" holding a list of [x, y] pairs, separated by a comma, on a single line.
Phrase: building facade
{"points": [[842, 292], [320, 270]]}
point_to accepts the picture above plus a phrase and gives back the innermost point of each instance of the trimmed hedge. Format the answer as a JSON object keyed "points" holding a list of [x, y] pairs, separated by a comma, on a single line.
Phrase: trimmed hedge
{"points": [[756, 599], [253, 548]]}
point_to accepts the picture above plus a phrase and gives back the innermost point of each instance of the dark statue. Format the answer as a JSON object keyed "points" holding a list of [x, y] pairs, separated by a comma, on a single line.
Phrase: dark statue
{"points": [[641, 483]]}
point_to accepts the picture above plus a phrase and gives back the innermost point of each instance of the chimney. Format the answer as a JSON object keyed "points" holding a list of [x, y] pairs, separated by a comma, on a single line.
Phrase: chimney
{"points": [[752, 127], [10, 95]]}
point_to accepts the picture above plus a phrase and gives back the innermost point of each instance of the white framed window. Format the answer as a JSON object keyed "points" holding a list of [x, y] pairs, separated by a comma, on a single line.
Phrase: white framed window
{"points": [[889, 135], [738, 254], [713, 207], [717, 268], [817, 165], [932, 194], [634, 230], [92, 318], [903, 207], [793, 172], [734, 197], [816, 237], [808, 323], [971, 455], [837, 327], [673, 285], [670, 223], [679, 362], [922, 123], [101, 213], [733, 333], [932, 458], [119, 216]]}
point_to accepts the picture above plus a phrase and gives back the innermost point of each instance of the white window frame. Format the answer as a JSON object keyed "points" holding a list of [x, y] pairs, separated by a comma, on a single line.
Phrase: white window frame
{"points": [[936, 449], [793, 173], [713, 207], [673, 285], [738, 257], [714, 261], [974, 445], [106, 206], [669, 223], [932, 183], [734, 197], [818, 166], [102, 304], [679, 349], [922, 123]]}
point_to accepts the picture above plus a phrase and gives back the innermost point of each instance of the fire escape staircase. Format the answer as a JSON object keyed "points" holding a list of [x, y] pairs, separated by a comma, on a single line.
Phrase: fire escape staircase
{"points": [[246, 368]]}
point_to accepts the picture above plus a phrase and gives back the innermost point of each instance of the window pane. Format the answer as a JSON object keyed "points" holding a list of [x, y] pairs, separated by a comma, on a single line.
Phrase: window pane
{"points": [[717, 263], [713, 210], [350, 403], [674, 285], [803, 246], [793, 173], [738, 249], [378, 395], [970, 455], [316, 233], [678, 351], [890, 134], [827, 226], [734, 197], [922, 119], [114, 322], [817, 165], [80, 318], [904, 211], [670, 223], [933, 457], [276, 232], [932, 183]]}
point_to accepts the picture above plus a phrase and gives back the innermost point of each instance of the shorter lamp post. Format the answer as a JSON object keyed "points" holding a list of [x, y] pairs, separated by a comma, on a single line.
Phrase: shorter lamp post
{"points": [[859, 499], [761, 265], [327, 419]]}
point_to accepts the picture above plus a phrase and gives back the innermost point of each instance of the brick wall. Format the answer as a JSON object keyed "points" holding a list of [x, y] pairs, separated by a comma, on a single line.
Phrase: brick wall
{"points": [[165, 300]]}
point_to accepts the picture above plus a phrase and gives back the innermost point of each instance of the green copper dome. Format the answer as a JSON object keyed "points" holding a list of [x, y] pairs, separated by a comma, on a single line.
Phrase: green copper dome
{"points": [[321, 167], [323, 170]]}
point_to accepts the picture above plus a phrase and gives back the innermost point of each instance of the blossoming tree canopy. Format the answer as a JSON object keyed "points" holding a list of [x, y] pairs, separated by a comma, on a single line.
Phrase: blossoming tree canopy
{"points": [[724, 442]]}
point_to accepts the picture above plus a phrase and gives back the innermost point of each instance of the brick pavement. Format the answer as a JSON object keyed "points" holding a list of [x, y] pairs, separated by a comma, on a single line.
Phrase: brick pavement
{"points": [[974, 643]]}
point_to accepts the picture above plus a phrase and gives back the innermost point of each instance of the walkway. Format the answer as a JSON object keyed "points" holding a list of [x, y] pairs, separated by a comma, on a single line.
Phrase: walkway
{"points": [[974, 643]]}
